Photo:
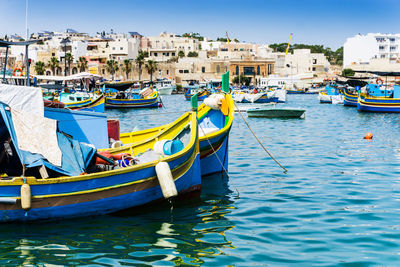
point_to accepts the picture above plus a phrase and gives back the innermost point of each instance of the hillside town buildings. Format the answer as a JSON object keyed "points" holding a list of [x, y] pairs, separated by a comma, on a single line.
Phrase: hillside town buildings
{"points": [[179, 58]]}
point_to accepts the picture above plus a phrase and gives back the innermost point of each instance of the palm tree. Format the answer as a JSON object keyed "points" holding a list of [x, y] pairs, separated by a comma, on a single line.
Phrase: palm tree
{"points": [[82, 64], [53, 64], [127, 67], [140, 61], [151, 66], [69, 58], [40, 68], [181, 53], [112, 67]]}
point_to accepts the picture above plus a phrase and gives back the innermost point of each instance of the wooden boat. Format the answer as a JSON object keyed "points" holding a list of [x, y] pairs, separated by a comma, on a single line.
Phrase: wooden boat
{"points": [[350, 97], [28, 198], [201, 95], [380, 98], [97, 105], [214, 128], [272, 112], [331, 96], [136, 101]]}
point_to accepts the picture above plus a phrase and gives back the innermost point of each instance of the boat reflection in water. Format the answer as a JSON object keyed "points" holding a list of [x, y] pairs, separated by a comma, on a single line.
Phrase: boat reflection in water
{"points": [[189, 232]]}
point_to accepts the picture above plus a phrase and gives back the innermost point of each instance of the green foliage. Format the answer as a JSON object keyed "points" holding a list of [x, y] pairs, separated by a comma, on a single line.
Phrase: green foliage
{"points": [[334, 57], [243, 80], [195, 35], [192, 54], [348, 72], [112, 67], [173, 59], [82, 64], [69, 58], [178, 87], [140, 61], [127, 67], [40, 68], [151, 67], [222, 39], [181, 53], [53, 64]]}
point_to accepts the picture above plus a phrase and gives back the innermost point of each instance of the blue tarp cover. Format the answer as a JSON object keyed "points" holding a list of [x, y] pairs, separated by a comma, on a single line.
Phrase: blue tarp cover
{"points": [[75, 155]]}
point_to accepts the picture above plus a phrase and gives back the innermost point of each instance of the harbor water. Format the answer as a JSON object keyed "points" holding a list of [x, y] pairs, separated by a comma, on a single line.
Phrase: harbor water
{"points": [[338, 204]]}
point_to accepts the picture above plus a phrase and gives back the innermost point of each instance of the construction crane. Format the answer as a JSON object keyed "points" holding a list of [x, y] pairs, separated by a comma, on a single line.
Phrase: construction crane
{"points": [[288, 44]]}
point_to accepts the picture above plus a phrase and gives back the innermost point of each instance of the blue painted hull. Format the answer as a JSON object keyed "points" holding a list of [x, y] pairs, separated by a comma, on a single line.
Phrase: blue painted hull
{"points": [[350, 99], [131, 103], [109, 200], [378, 105], [264, 100], [211, 159]]}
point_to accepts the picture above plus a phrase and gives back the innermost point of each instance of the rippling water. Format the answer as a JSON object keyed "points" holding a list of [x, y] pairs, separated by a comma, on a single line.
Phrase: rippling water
{"points": [[337, 205]]}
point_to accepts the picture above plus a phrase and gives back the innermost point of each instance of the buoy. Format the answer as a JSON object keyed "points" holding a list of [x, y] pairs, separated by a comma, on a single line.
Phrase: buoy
{"points": [[160, 105], [166, 180], [368, 136], [116, 144], [26, 196]]}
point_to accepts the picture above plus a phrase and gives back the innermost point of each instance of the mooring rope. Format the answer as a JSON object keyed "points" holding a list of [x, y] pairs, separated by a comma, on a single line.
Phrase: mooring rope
{"points": [[258, 140]]}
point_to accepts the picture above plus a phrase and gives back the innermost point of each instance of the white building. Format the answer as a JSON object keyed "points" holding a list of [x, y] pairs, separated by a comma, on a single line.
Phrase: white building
{"points": [[303, 61], [362, 49]]}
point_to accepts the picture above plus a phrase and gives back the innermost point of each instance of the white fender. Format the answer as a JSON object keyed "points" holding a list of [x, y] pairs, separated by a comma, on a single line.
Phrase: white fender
{"points": [[26, 196], [166, 180]]}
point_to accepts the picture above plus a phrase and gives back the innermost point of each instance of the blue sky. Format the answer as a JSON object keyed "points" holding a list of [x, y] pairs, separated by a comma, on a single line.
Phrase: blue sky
{"points": [[327, 22]]}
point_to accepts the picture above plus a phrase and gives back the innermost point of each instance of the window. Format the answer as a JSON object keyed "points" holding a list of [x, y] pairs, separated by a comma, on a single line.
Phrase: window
{"points": [[167, 72], [314, 61], [381, 47], [392, 48], [121, 48], [173, 54], [186, 71], [248, 70], [380, 39], [159, 72], [156, 54], [392, 39], [258, 70], [218, 68], [53, 54], [382, 56], [103, 71], [237, 70], [313, 69], [167, 54], [269, 69], [113, 48], [180, 71], [203, 69]]}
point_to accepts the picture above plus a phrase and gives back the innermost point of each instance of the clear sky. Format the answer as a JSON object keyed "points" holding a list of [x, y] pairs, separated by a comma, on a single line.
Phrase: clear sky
{"points": [[327, 22]]}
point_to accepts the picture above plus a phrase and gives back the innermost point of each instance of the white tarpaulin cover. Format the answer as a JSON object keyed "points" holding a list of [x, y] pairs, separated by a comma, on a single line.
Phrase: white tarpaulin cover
{"points": [[23, 98], [35, 133]]}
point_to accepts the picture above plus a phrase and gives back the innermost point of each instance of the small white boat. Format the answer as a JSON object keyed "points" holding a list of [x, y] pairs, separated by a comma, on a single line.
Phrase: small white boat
{"points": [[164, 87]]}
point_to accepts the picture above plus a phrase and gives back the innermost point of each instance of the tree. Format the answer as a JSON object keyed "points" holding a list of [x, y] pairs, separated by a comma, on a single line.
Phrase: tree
{"points": [[181, 53], [82, 64], [192, 54], [127, 67], [53, 64], [112, 67], [151, 67], [173, 59], [140, 61], [243, 80], [348, 72], [69, 58], [40, 67]]}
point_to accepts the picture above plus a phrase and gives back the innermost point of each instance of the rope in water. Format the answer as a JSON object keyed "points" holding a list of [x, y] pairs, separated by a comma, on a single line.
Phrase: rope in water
{"points": [[258, 140]]}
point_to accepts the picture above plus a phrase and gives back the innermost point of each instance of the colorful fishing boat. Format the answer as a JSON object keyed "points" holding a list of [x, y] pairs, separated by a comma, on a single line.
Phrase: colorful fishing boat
{"points": [[214, 129], [331, 96], [379, 98], [201, 94], [133, 100], [350, 97], [88, 190]]}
